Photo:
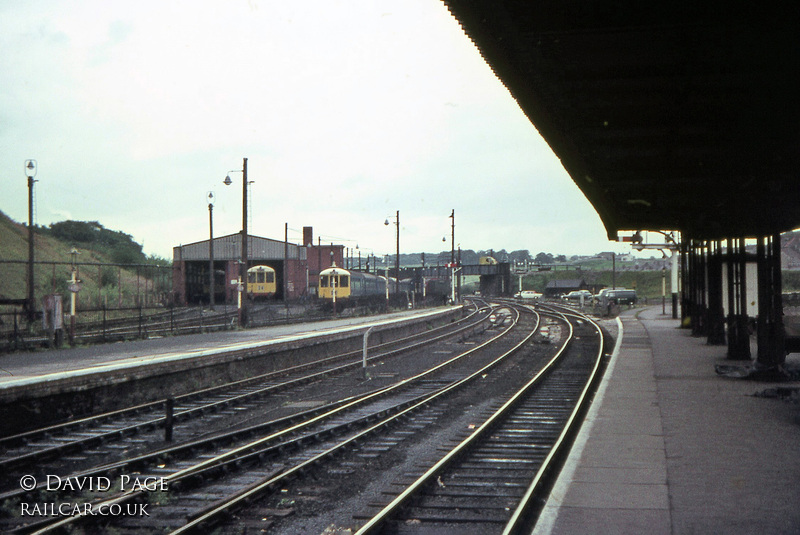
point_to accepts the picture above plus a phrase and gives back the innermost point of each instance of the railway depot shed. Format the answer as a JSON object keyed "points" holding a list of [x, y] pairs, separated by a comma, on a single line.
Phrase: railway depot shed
{"points": [[295, 273]]}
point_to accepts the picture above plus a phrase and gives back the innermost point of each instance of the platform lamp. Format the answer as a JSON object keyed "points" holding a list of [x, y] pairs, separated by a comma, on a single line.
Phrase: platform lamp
{"points": [[242, 287], [332, 277], [453, 236], [453, 255], [30, 172], [210, 198], [397, 257]]}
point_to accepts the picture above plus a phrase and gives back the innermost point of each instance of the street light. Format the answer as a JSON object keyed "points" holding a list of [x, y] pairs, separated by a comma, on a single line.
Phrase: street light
{"points": [[453, 236], [386, 267], [74, 282], [210, 198], [73, 287], [453, 255], [397, 258], [30, 172], [243, 262]]}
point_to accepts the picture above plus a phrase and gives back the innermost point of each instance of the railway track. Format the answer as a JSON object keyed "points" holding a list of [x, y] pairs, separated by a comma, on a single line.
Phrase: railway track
{"points": [[256, 467], [493, 480], [103, 431], [240, 480]]}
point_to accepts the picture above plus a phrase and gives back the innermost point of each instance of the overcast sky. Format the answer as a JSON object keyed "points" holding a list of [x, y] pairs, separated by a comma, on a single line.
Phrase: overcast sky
{"points": [[346, 110]]}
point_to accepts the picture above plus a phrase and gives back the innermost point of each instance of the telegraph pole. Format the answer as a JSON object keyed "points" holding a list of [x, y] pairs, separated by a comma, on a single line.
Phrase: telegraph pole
{"points": [[243, 265], [397, 259], [211, 248]]}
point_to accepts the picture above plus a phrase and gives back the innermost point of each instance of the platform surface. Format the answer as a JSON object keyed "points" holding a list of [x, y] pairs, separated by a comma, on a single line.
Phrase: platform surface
{"points": [[670, 447], [23, 367]]}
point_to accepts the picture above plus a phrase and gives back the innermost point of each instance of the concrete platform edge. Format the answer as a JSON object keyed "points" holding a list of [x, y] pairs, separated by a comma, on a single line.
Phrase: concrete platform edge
{"points": [[549, 514]]}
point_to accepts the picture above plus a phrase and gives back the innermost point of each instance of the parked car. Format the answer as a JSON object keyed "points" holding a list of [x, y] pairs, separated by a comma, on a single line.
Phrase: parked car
{"points": [[621, 296], [528, 295], [578, 295], [598, 297]]}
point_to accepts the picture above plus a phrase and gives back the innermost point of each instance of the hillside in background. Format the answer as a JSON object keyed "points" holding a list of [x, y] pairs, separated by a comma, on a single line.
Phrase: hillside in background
{"points": [[110, 264]]}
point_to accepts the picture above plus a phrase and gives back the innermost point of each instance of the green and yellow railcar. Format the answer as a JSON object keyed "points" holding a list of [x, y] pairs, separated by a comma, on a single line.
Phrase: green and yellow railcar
{"points": [[261, 282], [334, 284]]}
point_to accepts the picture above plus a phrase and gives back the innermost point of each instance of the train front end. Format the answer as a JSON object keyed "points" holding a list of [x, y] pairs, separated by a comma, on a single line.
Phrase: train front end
{"points": [[334, 285], [261, 282]]}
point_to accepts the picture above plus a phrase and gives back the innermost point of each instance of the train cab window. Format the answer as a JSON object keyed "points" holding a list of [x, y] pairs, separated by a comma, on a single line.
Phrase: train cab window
{"points": [[343, 281], [323, 281], [270, 277], [261, 277], [251, 278]]}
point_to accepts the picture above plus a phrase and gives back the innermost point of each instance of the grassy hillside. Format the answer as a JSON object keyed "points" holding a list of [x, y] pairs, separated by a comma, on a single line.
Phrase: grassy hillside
{"points": [[103, 282]]}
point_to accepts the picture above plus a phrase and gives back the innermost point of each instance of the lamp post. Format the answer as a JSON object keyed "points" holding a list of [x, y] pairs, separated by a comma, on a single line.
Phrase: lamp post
{"points": [[30, 172], [73, 284], [453, 255], [386, 267], [332, 276], [397, 257], [211, 249], [243, 262], [453, 236], [458, 282], [74, 288]]}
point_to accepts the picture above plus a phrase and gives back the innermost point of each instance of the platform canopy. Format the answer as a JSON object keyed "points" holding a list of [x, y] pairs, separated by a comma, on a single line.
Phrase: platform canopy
{"points": [[667, 115]]}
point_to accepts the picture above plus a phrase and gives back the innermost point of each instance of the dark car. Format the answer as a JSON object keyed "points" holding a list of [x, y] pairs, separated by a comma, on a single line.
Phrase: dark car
{"points": [[621, 296]]}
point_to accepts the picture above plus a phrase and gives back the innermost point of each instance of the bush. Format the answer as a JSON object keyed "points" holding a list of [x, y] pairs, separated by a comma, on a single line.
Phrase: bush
{"points": [[92, 235]]}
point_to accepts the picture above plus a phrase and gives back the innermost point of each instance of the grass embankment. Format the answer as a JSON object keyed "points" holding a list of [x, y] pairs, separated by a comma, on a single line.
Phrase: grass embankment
{"points": [[102, 282]]}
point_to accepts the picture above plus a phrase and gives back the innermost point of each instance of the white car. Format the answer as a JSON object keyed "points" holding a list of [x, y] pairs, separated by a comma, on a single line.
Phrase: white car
{"points": [[528, 295]]}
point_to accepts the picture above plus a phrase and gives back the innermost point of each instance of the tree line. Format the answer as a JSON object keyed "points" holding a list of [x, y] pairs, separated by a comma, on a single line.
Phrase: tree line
{"points": [[119, 247]]}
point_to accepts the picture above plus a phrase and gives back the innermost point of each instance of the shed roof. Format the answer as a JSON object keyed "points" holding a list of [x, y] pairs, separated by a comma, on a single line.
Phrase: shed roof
{"points": [[230, 248]]}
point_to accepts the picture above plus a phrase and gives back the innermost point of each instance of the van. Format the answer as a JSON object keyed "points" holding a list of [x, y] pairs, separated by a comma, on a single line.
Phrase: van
{"points": [[621, 296]]}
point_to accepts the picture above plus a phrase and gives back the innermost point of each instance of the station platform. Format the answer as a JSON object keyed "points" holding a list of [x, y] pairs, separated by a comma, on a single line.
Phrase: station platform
{"points": [[669, 447], [25, 368]]}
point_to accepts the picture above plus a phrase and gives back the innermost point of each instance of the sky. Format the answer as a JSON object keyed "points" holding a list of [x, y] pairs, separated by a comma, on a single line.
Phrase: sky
{"points": [[347, 112]]}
